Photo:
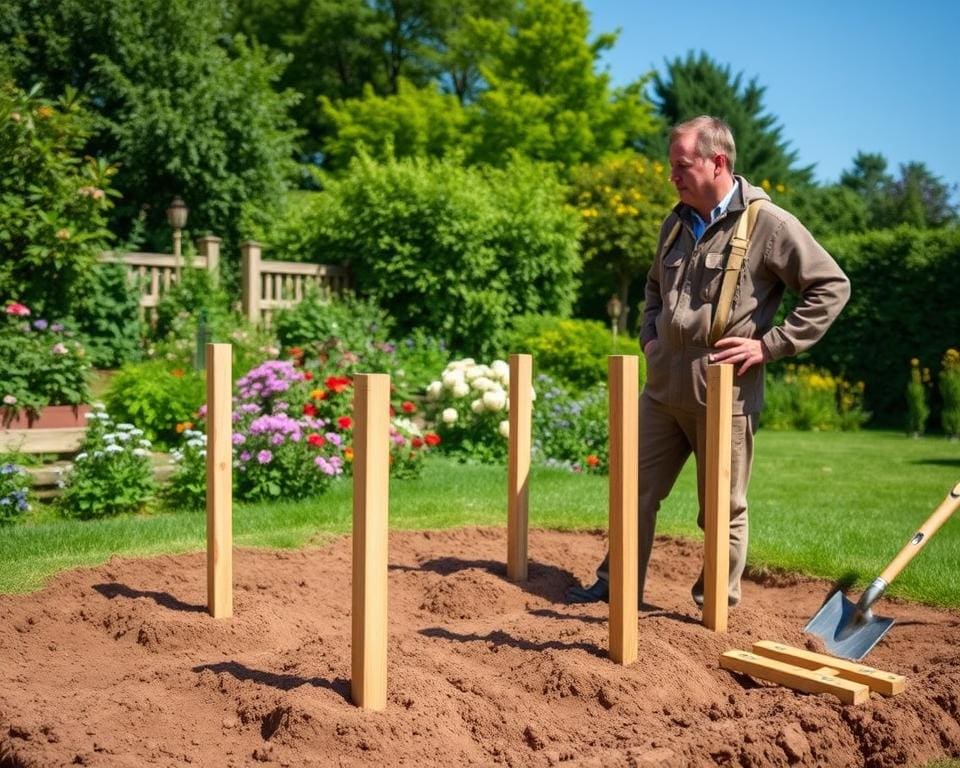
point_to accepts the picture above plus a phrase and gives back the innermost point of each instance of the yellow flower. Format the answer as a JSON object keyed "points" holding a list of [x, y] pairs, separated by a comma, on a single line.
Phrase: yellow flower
{"points": [[781, 188], [765, 184], [44, 112], [63, 234]]}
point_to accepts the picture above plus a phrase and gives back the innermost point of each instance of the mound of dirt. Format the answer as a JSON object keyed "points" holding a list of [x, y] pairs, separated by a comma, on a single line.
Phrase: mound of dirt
{"points": [[121, 666]]}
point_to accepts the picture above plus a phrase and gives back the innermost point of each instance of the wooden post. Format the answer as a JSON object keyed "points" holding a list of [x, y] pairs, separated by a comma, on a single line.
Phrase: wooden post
{"points": [[250, 280], [219, 481], [209, 246], [518, 472], [716, 546], [371, 472], [624, 486]]}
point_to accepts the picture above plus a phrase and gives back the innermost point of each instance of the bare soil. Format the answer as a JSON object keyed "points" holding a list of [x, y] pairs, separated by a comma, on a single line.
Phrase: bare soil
{"points": [[121, 666]]}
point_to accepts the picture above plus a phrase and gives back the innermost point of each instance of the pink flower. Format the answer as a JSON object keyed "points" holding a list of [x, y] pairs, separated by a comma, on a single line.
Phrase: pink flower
{"points": [[18, 309], [59, 349]]}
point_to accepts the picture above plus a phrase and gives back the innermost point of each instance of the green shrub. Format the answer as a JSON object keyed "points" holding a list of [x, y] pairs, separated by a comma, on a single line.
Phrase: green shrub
{"points": [[187, 488], [54, 201], [574, 352], [156, 397], [807, 398], [111, 474], [317, 321], [949, 382], [918, 406], [107, 315], [453, 251], [905, 284]]}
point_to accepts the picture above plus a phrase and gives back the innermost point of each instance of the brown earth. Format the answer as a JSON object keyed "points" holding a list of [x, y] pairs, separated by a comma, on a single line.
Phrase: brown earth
{"points": [[120, 666]]}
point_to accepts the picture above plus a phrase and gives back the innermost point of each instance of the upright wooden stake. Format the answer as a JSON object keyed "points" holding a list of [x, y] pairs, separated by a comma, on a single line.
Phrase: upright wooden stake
{"points": [[716, 547], [518, 473], [624, 485], [219, 481], [371, 474]]}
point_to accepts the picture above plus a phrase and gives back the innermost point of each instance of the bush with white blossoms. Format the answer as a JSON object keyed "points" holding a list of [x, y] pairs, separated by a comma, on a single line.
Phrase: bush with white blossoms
{"points": [[112, 472], [469, 407], [187, 488]]}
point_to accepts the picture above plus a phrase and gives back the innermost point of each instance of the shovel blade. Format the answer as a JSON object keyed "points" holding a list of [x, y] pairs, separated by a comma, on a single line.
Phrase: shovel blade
{"points": [[845, 630]]}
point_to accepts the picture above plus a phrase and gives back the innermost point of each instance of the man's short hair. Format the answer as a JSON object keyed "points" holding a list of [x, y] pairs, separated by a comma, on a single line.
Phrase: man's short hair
{"points": [[713, 137]]}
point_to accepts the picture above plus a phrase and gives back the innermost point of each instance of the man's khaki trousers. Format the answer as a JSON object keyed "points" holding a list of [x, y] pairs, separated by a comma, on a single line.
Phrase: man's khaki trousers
{"points": [[667, 438]]}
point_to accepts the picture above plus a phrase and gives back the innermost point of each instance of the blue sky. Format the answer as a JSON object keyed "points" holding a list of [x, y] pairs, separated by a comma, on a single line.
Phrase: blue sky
{"points": [[840, 76]]}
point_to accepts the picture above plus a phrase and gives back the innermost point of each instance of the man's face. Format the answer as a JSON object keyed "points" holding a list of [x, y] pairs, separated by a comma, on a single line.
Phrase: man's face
{"points": [[698, 179]]}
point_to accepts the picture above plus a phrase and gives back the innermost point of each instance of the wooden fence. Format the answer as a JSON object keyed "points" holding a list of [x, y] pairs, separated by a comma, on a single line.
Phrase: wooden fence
{"points": [[265, 285]]}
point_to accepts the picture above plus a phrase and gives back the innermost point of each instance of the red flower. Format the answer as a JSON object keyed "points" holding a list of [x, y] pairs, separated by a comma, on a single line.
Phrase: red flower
{"points": [[177, 373], [307, 376], [309, 410], [345, 422], [432, 439], [17, 309], [408, 407], [316, 440], [416, 442], [592, 461], [337, 384]]}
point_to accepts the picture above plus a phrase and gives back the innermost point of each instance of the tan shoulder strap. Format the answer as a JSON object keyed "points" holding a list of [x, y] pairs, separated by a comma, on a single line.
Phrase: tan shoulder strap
{"points": [[731, 272], [671, 238]]}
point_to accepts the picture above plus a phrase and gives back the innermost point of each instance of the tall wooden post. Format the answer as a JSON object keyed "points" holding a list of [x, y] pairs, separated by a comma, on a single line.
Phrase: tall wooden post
{"points": [[716, 546], [209, 247], [250, 280], [219, 481], [371, 468], [624, 486], [518, 472]]}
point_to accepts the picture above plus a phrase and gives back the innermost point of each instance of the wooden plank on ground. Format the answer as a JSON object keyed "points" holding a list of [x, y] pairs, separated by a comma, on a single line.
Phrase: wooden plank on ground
{"points": [[65, 440], [886, 683], [848, 691]]}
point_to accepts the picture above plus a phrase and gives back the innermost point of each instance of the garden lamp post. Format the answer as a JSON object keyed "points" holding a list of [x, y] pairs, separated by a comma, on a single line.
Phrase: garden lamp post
{"points": [[614, 310], [177, 219]]}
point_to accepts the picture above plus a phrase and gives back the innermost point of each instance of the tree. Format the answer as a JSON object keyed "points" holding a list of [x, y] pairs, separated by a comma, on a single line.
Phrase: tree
{"points": [[179, 106], [697, 85], [623, 201]]}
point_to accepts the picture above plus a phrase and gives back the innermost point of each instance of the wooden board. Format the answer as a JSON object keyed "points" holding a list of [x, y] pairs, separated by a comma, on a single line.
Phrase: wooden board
{"points": [[782, 673], [518, 472], [716, 530], [65, 440], [886, 683]]}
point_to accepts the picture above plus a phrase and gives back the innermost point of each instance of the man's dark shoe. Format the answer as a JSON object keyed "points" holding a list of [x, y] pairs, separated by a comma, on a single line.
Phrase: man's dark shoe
{"points": [[698, 599], [598, 592]]}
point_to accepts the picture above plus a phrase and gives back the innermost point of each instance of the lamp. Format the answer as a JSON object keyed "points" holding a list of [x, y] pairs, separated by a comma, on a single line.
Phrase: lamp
{"points": [[177, 219]]}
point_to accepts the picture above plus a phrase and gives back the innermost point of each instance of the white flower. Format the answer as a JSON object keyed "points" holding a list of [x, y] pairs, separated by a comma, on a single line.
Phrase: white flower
{"points": [[500, 370], [482, 384], [113, 449], [504, 428], [123, 426], [80, 456], [139, 452], [452, 378], [434, 389], [494, 400], [475, 371], [460, 389], [477, 406], [449, 415], [144, 443]]}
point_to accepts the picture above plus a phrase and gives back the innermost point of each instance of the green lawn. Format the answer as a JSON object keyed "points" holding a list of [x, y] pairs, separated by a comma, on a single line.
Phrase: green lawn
{"points": [[837, 505]]}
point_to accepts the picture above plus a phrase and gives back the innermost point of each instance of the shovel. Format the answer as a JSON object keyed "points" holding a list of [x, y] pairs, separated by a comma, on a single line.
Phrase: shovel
{"points": [[851, 630]]}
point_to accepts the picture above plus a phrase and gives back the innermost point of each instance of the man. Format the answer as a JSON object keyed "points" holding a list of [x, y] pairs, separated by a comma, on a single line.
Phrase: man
{"points": [[680, 321]]}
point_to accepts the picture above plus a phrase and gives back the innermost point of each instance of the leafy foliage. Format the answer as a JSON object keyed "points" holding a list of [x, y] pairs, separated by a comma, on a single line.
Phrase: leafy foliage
{"points": [[53, 202], [107, 315], [623, 201], [156, 397], [949, 381], [572, 352], [570, 427], [918, 406], [454, 251], [806, 398], [14, 493]]}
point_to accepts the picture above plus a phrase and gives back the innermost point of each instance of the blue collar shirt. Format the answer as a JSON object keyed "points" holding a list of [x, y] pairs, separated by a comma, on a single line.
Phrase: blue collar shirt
{"points": [[700, 226]]}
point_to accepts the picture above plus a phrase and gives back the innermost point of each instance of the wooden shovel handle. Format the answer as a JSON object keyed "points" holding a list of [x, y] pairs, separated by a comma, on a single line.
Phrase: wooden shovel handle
{"points": [[940, 515]]}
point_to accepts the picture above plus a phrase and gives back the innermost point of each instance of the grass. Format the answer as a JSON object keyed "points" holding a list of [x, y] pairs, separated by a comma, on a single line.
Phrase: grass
{"points": [[836, 505]]}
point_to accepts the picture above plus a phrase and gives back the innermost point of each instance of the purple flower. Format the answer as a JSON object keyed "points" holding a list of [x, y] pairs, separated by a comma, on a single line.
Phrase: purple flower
{"points": [[245, 456], [56, 327], [264, 457], [277, 439], [334, 438], [40, 324], [238, 438]]}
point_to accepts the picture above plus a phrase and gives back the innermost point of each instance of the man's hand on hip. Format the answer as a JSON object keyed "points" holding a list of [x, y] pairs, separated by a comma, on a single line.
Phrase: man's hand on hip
{"points": [[736, 349]]}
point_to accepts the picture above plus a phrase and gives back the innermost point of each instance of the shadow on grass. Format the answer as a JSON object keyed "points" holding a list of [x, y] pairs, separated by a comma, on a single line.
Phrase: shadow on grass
{"points": [[340, 685], [938, 462], [114, 590]]}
